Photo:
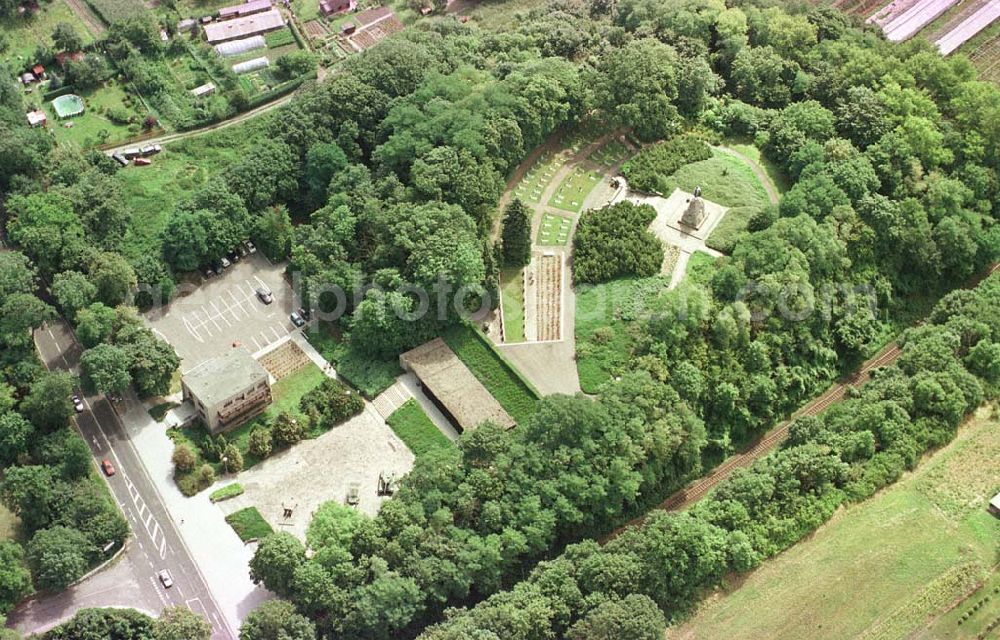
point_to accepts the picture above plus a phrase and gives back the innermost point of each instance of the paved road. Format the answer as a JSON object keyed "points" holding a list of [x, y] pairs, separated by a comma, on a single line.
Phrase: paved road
{"points": [[131, 580]]}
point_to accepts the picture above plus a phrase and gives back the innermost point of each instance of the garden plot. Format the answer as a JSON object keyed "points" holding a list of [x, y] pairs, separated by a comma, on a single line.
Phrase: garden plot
{"points": [[543, 296], [574, 189], [986, 59], [969, 27], [538, 177], [553, 230]]}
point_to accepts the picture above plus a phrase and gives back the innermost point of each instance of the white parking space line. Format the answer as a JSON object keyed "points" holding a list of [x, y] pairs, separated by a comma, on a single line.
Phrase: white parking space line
{"points": [[192, 330], [232, 308], [256, 344], [277, 336], [211, 316], [220, 314]]}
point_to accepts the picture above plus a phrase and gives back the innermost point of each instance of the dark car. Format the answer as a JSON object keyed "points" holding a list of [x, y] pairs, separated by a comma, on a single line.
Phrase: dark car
{"points": [[306, 315], [296, 319], [265, 295], [209, 273], [234, 257]]}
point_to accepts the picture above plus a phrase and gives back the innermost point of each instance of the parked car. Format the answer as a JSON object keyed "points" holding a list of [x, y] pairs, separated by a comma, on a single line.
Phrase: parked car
{"points": [[77, 403], [165, 578], [120, 159], [142, 162], [209, 273], [234, 257], [296, 319], [107, 467], [225, 263], [250, 247], [265, 295], [240, 249], [306, 315]]}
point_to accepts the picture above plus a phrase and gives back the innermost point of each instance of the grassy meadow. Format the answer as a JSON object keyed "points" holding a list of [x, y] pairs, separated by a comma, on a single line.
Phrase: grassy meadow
{"points": [[416, 430]]}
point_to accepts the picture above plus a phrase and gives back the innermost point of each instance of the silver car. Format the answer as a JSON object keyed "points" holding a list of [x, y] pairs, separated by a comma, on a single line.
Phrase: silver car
{"points": [[165, 578]]}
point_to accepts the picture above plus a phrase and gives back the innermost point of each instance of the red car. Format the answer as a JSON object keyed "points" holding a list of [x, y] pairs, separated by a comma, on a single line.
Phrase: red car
{"points": [[108, 469]]}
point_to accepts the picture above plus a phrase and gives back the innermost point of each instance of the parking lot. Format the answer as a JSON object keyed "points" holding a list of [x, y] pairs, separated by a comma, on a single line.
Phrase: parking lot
{"points": [[204, 321]]}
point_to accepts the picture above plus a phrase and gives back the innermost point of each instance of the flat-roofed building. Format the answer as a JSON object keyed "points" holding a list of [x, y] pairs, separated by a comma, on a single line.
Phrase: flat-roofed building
{"points": [[36, 118], [450, 385], [228, 390], [245, 27], [245, 9]]}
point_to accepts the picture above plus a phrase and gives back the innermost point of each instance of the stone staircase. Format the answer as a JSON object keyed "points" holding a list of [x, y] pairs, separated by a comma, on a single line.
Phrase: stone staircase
{"points": [[391, 399]]}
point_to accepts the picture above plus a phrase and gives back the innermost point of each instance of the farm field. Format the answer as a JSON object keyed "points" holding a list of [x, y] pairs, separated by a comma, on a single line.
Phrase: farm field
{"points": [[512, 291], [499, 377], [416, 430], [604, 313], [25, 34], [553, 230], [913, 551]]}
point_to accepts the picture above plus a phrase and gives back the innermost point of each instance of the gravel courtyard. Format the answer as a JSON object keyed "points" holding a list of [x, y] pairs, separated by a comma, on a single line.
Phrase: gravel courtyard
{"points": [[316, 471]]}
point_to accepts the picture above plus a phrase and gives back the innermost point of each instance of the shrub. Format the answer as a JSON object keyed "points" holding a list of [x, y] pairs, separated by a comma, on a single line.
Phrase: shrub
{"points": [[260, 443], [331, 403], [286, 429], [614, 242], [232, 459], [184, 458], [646, 170]]}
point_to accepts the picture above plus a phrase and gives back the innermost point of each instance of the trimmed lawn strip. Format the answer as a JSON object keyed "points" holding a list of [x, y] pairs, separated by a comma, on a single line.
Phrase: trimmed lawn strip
{"points": [[512, 292], [226, 492], [249, 524], [416, 430], [779, 180], [913, 550], [515, 394]]}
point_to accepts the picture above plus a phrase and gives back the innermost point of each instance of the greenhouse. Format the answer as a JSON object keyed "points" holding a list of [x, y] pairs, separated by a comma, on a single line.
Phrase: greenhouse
{"points": [[251, 65], [237, 47], [68, 105]]}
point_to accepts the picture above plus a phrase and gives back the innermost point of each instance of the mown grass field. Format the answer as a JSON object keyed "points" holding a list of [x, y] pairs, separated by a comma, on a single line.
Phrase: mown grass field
{"points": [[723, 178], [604, 315], [512, 292], [890, 567], [725, 234], [416, 430], [499, 377]]}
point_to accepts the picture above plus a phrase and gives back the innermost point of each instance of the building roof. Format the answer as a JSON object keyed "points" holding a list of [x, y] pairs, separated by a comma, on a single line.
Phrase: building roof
{"points": [[243, 27], [38, 69], [995, 502], [204, 89], [253, 6], [451, 382], [36, 117], [221, 378]]}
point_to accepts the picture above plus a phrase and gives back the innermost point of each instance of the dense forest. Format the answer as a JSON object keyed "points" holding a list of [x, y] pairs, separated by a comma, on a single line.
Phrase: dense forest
{"points": [[389, 173]]}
